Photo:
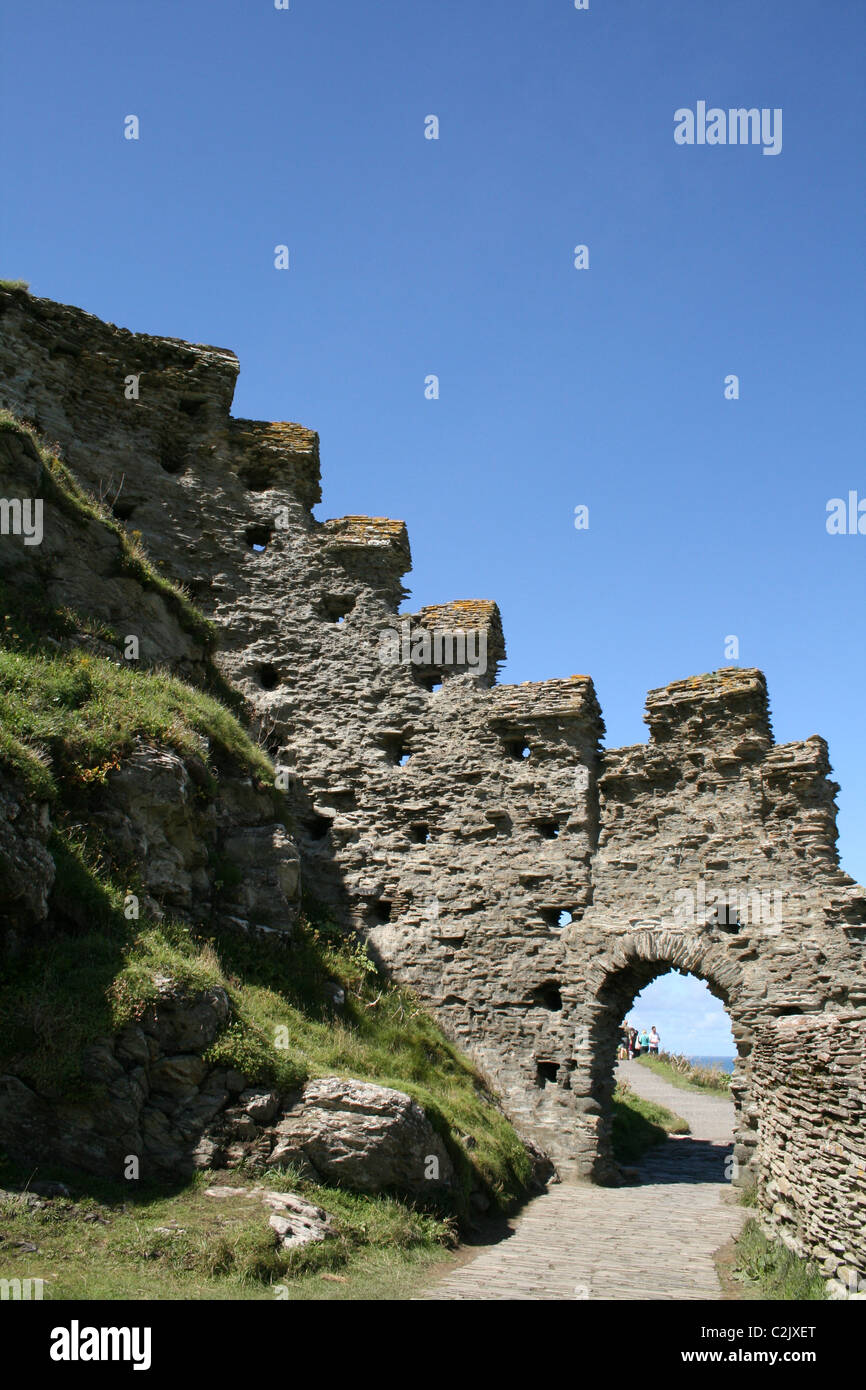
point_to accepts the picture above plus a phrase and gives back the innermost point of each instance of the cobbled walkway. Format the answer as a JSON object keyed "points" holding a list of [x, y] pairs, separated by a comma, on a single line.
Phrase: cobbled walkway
{"points": [[655, 1240]]}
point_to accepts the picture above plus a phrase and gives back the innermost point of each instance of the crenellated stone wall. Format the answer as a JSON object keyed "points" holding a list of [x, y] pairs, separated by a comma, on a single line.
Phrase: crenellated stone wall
{"points": [[524, 880]]}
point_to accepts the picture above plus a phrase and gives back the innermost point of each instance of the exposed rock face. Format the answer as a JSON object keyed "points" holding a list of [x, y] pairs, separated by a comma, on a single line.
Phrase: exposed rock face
{"points": [[460, 862], [163, 1103], [812, 1144], [78, 564], [154, 811], [157, 1094], [363, 1136], [26, 867]]}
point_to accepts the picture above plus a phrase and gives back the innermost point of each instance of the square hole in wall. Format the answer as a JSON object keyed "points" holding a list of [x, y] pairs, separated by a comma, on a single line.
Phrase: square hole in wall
{"points": [[317, 827], [726, 916], [173, 456], [396, 749], [269, 676], [558, 917], [547, 996], [429, 682], [334, 608], [258, 536], [546, 1074]]}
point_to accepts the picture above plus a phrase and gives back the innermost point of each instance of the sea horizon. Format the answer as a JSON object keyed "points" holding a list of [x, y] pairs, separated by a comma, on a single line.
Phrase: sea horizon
{"points": [[725, 1063]]}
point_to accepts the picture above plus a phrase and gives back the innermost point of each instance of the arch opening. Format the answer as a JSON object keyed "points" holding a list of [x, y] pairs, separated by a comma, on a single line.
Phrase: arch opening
{"points": [[619, 996]]}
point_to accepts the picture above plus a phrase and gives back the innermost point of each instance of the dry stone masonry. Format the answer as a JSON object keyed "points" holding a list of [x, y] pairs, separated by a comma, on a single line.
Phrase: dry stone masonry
{"points": [[809, 1085], [524, 880]]}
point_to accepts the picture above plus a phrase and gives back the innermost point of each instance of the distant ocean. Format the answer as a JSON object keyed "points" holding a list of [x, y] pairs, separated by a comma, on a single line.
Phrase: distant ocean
{"points": [[723, 1063]]}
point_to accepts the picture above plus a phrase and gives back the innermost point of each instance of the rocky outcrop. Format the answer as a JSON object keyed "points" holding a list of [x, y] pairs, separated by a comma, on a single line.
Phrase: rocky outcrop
{"points": [[26, 867], [206, 854], [294, 1221], [158, 1101], [80, 566], [365, 1137]]}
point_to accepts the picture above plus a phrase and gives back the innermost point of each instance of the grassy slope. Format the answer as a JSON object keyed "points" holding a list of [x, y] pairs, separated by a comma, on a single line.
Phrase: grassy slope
{"points": [[71, 717], [67, 719], [679, 1072], [638, 1124], [110, 1242], [60, 488]]}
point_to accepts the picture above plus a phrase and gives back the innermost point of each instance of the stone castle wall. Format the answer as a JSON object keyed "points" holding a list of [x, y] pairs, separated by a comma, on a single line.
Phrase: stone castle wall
{"points": [[809, 1081], [526, 882]]}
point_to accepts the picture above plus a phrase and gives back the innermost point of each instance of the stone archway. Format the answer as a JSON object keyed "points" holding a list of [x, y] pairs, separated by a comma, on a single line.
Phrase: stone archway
{"points": [[619, 976]]}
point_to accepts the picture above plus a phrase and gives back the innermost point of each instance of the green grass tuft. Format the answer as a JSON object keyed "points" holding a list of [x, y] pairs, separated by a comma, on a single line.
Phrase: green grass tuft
{"points": [[769, 1270], [72, 718]]}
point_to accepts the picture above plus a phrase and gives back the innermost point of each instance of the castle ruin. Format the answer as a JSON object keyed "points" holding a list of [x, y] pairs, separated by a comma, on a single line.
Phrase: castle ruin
{"points": [[524, 880]]}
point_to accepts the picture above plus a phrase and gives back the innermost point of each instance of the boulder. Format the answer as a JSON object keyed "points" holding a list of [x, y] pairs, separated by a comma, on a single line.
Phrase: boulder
{"points": [[369, 1138], [295, 1221], [178, 1076]]}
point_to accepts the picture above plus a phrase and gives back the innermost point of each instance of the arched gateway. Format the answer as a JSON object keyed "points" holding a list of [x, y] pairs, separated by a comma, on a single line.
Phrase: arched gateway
{"points": [[634, 962]]}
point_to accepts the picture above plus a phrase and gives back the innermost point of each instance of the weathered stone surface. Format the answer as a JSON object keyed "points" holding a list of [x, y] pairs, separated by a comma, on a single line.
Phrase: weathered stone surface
{"points": [[363, 1136], [154, 813], [180, 1024], [295, 1221], [26, 867], [808, 1081], [260, 1105], [298, 1222], [177, 1076]]}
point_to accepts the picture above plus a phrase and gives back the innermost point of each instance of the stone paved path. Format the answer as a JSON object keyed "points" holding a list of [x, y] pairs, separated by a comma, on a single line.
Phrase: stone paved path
{"points": [[655, 1240]]}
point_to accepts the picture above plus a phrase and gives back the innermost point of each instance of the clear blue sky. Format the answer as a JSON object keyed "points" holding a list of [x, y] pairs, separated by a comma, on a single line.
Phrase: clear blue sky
{"points": [[689, 1019], [454, 257]]}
